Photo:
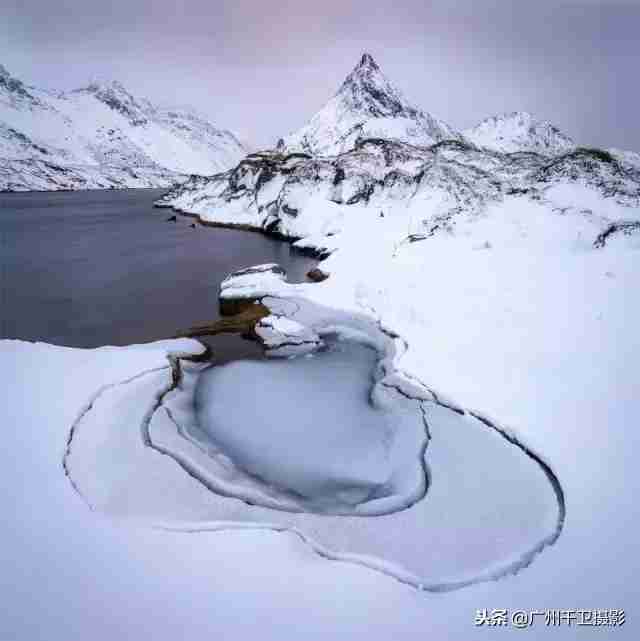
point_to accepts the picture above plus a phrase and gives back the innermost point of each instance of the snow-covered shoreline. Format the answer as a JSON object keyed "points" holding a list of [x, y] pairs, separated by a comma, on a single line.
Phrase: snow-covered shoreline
{"points": [[386, 291]]}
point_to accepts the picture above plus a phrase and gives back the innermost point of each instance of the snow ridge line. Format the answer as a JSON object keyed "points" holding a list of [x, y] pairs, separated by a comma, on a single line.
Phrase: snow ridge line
{"points": [[83, 412], [173, 364], [546, 468], [389, 569]]}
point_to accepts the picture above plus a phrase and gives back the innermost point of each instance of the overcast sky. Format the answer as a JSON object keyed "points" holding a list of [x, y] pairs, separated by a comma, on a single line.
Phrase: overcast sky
{"points": [[263, 68]]}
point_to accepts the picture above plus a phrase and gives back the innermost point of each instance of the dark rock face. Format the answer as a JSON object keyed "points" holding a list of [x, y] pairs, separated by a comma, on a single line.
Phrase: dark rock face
{"points": [[364, 90], [14, 86], [116, 97], [626, 228], [596, 167]]}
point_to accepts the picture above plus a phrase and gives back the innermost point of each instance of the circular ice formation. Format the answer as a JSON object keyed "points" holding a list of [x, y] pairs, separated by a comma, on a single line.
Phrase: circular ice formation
{"points": [[492, 503], [308, 428]]}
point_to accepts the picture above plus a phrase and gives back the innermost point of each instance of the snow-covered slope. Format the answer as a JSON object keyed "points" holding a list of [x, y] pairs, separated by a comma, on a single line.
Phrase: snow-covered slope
{"points": [[102, 136], [519, 131], [427, 191], [367, 105], [359, 152]]}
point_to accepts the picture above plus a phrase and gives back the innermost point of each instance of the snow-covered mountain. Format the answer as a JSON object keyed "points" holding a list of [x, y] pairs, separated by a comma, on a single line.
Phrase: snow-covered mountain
{"points": [[426, 190], [102, 136], [519, 131], [367, 105], [367, 152]]}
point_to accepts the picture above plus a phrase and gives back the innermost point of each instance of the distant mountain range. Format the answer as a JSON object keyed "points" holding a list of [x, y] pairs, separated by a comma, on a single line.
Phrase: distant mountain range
{"points": [[101, 136], [367, 152], [367, 105]]}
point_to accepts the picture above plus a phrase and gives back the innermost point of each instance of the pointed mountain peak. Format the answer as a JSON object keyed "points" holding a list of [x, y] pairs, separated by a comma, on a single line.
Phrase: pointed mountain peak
{"points": [[367, 61], [367, 90], [367, 68], [366, 105]]}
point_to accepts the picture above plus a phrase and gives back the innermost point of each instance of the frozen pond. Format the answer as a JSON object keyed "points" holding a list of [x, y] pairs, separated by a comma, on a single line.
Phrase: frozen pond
{"points": [[284, 444], [94, 268], [312, 429]]}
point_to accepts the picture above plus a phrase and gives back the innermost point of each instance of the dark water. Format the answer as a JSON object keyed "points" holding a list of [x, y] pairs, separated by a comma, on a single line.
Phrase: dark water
{"points": [[106, 268]]}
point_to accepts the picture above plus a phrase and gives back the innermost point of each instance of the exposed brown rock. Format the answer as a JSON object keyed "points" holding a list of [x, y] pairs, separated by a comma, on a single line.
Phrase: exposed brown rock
{"points": [[317, 275], [242, 322]]}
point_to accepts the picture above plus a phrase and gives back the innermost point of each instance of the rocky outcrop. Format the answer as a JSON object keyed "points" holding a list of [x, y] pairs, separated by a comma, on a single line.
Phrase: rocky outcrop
{"points": [[317, 275], [292, 196], [624, 228]]}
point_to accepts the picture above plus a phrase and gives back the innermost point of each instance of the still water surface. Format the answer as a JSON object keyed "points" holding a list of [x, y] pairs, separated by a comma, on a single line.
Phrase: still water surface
{"points": [[94, 268]]}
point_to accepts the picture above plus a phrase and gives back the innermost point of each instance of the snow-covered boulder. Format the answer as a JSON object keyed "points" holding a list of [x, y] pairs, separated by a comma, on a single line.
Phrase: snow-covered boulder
{"points": [[284, 337]]}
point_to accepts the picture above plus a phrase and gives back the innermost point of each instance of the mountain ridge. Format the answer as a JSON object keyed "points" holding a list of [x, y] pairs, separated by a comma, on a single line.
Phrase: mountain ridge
{"points": [[102, 136]]}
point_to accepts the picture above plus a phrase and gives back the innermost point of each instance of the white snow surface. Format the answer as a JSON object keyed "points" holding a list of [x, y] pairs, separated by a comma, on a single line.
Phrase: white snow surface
{"points": [[283, 337], [102, 136]]}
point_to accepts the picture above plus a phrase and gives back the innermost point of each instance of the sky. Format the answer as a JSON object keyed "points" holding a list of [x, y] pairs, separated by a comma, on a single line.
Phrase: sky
{"points": [[262, 69]]}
